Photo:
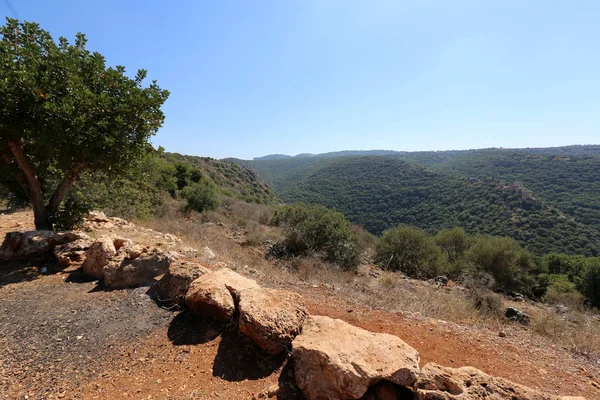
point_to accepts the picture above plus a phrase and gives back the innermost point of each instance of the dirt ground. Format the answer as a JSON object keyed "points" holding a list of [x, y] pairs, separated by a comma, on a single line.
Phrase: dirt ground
{"points": [[62, 336]]}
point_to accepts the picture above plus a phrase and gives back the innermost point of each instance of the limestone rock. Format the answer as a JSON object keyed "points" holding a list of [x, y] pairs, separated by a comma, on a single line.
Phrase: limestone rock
{"points": [[271, 317], [335, 360], [518, 316], [98, 256], [25, 245], [73, 252], [215, 294], [124, 272], [207, 255], [467, 383], [173, 286]]}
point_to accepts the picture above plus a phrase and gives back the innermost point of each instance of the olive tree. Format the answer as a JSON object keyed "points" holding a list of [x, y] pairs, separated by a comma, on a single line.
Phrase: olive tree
{"points": [[63, 112]]}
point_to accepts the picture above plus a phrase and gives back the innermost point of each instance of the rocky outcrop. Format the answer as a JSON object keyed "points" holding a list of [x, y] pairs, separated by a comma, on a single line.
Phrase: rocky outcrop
{"points": [[134, 268], [271, 317], [98, 220], [98, 256], [25, 245], [73, 252], [335, 360], [214, 295], [467, 383], [173, 286]]}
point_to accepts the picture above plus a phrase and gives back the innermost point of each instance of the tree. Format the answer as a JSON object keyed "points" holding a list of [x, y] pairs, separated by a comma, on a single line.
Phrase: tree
{"points": [[408, 249], [64, 112]]}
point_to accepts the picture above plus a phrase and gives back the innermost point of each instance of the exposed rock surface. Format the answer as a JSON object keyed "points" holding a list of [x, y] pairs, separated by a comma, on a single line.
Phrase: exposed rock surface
{"points": [[215, 294], [98, 256], [24, 245], [73, 252], [467, 383], [335, 360], [98, 220], [173, 286], [271, 317], [130, 270], [518, 316]]}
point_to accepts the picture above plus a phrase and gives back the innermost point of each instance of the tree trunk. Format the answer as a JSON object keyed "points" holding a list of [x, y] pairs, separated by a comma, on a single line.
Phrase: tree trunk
{"points": [[34, 189], [63, 188]]}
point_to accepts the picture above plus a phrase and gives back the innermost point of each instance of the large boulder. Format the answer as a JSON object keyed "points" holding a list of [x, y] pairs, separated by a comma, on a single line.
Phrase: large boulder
{"points": [[467, 383], [25, 245], [271, 317], [335, 360], [98, 256], [214, 295], [73, 252], [173, 286], [134, 268]]}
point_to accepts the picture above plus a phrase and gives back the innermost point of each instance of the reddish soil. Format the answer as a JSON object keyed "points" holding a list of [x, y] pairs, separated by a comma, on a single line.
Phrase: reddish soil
{"points": [[64, 337]]}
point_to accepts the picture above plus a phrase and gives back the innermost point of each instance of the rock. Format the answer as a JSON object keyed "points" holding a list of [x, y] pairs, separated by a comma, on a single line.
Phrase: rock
{"points": [[25, 245], [561, 309], [215, 294], [207, 255], [518, 316], [502, 334], [173, 286], [98, 256], [271, 317], [123, 272], [73, 252], [441, 280], [335, 360], [467, 383]]}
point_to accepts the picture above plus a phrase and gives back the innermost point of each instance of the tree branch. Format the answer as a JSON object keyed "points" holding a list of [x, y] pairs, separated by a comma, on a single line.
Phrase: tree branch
{"points": [[63, 188]]}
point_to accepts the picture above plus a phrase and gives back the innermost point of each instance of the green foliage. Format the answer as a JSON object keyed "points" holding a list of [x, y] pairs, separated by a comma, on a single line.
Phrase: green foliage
{"points": [[72, 211], [590, 282], [63, 112], [571, 267], [453, 242], [410, 250], [201, 196], [509, 264], [311, 228]]}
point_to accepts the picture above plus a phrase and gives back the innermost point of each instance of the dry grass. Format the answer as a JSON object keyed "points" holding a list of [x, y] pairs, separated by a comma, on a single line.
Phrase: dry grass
{"points": [[239, 242]]}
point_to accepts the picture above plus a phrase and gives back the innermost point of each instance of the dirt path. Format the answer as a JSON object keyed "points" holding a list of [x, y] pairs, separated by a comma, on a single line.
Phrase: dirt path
{"points": [[64, 337]]}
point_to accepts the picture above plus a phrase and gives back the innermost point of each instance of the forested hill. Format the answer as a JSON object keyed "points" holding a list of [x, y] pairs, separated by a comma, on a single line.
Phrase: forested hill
{"points": [[381, 192]]}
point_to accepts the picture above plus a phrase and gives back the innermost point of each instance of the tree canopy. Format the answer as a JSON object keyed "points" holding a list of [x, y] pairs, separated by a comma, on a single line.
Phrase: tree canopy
{"points": [[64, 112]]}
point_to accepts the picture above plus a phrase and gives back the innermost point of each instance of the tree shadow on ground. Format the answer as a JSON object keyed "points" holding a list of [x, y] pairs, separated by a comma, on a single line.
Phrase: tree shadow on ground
{"points": [[26, 270], [239, 358], [78, 276], [186, 328]]}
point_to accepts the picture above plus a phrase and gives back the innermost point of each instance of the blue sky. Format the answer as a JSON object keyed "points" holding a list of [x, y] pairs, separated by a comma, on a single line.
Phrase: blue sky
{"points": [[249, 78]]}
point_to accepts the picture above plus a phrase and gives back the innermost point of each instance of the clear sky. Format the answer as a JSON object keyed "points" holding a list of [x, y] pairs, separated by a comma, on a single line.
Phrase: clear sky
{"points": [[250, 78]]}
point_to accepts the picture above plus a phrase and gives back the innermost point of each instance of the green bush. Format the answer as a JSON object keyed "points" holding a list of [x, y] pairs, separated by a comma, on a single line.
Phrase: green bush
{"points": [[201, 196], [453, 242], [312, 228], [503, 258], [590, 282], [410, 250]]}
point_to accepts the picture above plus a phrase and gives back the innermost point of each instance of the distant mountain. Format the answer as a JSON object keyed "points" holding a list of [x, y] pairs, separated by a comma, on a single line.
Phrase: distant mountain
{"points": [[272, 157], [468, 188]]}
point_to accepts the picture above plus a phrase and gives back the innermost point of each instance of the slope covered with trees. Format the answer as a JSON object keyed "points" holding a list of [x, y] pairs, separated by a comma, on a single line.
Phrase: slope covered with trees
{"points": [[381, 192]]}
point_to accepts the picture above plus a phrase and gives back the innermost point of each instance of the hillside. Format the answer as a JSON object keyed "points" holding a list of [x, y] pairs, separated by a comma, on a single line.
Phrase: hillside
{"points": [[381, 192], [570, 183], [232, 179]]}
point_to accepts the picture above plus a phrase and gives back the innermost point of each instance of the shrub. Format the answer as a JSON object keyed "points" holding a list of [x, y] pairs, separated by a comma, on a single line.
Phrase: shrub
{"points": [[453, 242], [503, 258], [314, 228], [410, 250], [590, 282], [201, 196]]}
